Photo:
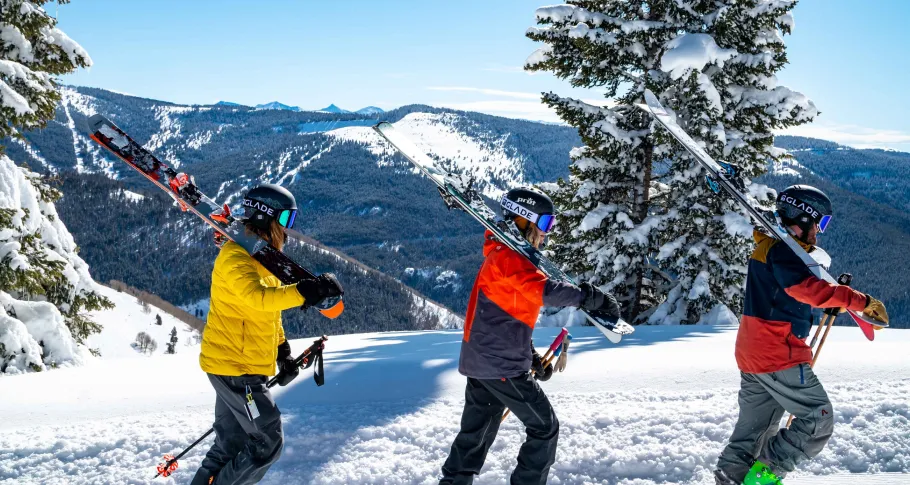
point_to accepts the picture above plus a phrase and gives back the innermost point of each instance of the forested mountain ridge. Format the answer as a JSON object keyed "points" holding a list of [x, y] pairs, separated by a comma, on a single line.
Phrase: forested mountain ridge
{"points": [[359, 197], [355, 196]]}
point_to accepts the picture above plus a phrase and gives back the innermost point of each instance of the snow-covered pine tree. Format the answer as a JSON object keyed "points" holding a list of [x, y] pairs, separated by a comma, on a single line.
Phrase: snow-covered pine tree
{"points": [[638, 213], [45, 288]]}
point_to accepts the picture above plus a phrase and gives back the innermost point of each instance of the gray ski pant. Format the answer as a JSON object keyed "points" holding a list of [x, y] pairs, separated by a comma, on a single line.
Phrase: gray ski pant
{"points": [[485, 403], [244, 449], [763, 398]]}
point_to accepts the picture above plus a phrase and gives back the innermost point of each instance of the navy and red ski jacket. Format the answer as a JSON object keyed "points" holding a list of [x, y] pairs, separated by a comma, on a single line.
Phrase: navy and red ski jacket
{"points": [[505, 302], [780, 294]]}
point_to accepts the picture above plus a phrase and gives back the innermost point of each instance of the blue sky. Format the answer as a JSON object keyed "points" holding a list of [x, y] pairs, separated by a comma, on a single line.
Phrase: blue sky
{"points": [[848, 56]]}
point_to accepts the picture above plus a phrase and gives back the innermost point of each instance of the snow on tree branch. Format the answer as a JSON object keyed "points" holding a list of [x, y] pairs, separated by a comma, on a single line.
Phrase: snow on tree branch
{"points": [[636, 206], [32, 50], [693, 52], [46, 287]]}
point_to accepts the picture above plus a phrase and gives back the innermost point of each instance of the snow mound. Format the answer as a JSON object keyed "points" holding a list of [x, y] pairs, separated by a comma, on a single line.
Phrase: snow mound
{"points": [[656, 409], [36, 337]]}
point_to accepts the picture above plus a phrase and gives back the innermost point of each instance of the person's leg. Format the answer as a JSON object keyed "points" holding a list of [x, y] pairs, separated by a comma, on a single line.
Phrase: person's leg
{"points": [[758, 412], [530, 405], [265, 439], [799, 391], [229, 440], [479, 424]]}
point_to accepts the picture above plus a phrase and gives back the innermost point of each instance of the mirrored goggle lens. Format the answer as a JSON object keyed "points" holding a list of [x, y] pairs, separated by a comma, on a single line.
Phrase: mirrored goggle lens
{"points": [[823, 224], [546, 222], [287, 218]]}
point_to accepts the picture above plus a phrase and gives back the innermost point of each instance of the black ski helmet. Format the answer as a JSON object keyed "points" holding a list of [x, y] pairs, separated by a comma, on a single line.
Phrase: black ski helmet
{"points": [[533, 205], [803, 206], [267, 202]]}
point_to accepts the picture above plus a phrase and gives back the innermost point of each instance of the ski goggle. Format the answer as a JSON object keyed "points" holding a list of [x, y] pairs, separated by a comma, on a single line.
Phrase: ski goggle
{"points": [[823, 223], [287, 217], [544, 222]]}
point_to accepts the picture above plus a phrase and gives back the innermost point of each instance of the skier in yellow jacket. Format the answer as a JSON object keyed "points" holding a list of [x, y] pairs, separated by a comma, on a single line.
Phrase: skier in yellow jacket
{"points": [[243, 341]]}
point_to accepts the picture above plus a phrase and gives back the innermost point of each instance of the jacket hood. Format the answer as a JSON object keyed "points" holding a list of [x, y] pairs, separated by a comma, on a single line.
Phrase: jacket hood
{"points": [[760, 237]]}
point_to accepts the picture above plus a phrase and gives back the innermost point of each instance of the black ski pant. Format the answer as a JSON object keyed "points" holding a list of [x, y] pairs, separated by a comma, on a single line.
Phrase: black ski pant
{"points": [[485, 402], [244, 448]]}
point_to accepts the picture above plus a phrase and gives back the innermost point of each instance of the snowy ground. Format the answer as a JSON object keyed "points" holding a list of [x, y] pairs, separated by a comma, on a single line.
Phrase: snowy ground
{"points": [[655, 409]]}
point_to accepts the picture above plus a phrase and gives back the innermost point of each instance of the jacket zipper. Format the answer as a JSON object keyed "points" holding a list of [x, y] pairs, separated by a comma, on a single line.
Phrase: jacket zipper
{"points": [[789, 346]]}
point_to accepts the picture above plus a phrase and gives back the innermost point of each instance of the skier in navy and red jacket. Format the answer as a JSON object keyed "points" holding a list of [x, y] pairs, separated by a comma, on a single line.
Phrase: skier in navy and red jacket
{"points": [[772, 355], [497, 353]]}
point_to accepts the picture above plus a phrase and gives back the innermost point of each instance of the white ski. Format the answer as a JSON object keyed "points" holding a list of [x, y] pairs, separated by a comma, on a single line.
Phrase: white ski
{"points": [[455, 192], [774, 229]]}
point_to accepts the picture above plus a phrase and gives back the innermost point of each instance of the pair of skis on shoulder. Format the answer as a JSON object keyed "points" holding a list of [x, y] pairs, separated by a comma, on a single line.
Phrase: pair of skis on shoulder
{"points": [[459, 193], [182, 188], [722, 177]]}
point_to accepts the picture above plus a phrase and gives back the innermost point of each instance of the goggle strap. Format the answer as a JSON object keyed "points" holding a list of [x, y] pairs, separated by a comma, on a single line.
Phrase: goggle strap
{"points": [[510, 205]]}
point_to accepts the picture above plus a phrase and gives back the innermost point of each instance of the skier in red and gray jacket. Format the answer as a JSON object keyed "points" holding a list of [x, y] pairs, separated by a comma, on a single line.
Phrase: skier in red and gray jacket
{"points": [[772, 354], [497, 353]]}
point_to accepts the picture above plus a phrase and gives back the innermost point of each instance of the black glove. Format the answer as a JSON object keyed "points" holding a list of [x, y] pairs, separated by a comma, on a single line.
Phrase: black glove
{"points": [[595, 300], [315, 291], [287, 369], [541, 373]]}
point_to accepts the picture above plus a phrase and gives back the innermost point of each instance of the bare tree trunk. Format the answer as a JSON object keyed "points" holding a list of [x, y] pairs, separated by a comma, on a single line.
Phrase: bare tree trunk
{"points": [[642, 203]]}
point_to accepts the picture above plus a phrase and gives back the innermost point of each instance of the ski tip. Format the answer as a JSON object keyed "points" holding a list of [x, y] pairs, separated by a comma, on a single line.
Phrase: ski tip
{"points": [[867, 328], [96, 120], [333, 311], [381, 125], [653, 104]]}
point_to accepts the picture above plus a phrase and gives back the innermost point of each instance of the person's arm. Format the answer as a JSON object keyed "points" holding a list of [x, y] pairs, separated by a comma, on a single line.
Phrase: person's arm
{"points": [[535, 285], [241, 276], [792, 274]]}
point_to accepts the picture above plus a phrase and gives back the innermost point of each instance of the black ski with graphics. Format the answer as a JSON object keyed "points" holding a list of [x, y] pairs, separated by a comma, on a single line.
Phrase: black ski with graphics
{"points": [[182, 188]]}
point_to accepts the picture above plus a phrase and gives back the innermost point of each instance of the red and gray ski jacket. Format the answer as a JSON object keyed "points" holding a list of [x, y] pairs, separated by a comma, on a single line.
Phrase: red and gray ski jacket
{"points": [[777, 317], [505, 302]]}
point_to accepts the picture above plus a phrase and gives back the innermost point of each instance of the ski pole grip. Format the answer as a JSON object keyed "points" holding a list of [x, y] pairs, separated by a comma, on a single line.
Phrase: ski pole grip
{"points": [[844, 279], [557, 342]]}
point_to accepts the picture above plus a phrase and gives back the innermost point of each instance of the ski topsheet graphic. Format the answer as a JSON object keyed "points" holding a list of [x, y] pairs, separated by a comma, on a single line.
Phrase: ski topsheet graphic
{"points": [[718, 174], [457, 192], [182, 188]]}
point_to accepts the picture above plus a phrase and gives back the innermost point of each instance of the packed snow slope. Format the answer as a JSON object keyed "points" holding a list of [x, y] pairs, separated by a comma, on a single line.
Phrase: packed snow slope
{"points": [[121, 325], [655, 409]]}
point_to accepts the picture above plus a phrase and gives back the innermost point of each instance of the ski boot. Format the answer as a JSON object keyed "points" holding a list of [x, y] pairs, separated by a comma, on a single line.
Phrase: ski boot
{"points": [[760, 474]]}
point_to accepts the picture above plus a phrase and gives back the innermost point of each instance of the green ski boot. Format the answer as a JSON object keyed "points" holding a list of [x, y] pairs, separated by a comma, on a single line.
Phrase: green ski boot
{"points": [[760, 474]]}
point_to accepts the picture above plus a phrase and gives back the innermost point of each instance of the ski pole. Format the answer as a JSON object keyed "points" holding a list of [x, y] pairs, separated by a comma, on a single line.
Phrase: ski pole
{"points": [[302, 361], [830, 314], [827, 322], [549, 357]]}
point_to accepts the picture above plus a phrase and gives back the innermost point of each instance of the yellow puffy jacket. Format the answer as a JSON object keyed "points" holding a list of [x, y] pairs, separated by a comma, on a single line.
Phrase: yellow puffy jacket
{"points": [[244, 324]]}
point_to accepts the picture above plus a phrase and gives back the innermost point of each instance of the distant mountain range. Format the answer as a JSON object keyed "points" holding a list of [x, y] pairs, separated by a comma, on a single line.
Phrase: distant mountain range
{"points": [[276, 105], [369, 110]]}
